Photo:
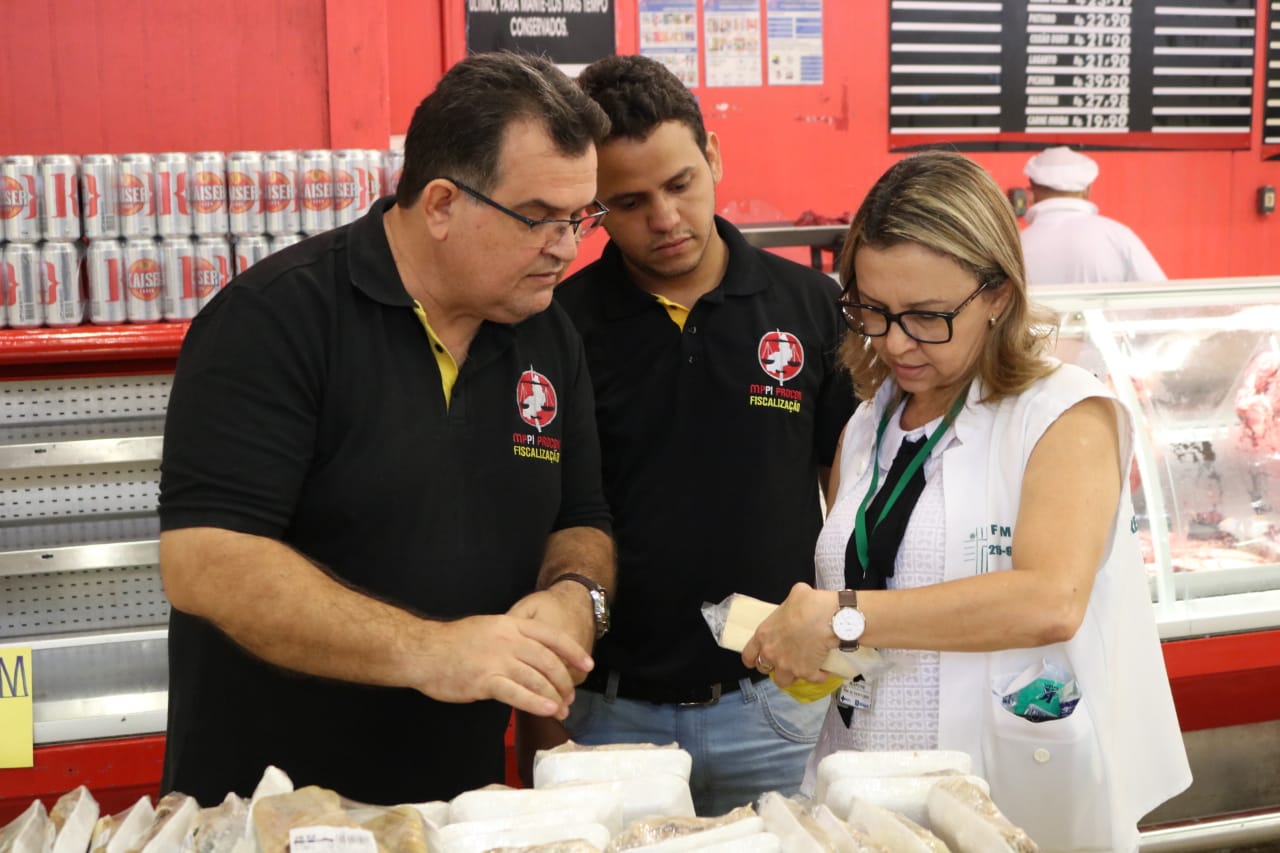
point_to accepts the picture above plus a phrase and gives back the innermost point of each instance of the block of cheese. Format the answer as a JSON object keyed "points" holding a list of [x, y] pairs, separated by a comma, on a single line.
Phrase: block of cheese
{"points": [[746, 614], [850, 762], [963, 815], [571, 762], [906, 794], [893, 831]]}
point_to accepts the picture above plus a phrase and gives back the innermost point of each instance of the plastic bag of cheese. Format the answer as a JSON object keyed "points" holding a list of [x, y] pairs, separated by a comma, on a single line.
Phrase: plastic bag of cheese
{"points": [[963, 815], [116, 833], [844, 838], [571, 762], [905, 794], [73, 817], [733, 623], [29, 832], [893, 831], [687, 833], [850, 762]]}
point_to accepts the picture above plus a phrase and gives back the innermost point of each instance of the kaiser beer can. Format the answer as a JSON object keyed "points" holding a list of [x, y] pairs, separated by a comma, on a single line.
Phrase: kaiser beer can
{"points": [[136, 196], [280, 241], [20, 199], [392, 166], [143, 280], [173, 208], [213, 267], [250, 249], [315, 184], [63, 293], [374, 179], [106, 270], [207, 191], [281, 203], [98, 196], [60, 197], [350, 184], [244, 193], [178, 263], [23, 306]]}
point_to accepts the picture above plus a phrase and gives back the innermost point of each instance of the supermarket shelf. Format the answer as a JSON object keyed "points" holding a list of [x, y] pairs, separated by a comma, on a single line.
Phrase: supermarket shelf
{"points": [[94, 451], [152, 341], [75, 558]]}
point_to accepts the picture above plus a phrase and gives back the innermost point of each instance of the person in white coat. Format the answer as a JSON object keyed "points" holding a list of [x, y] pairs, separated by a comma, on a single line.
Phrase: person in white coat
{"points": [[980, 526], [1066, 240]]}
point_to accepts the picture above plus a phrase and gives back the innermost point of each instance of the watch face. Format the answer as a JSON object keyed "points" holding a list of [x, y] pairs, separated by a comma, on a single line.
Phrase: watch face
{"points": [[848, 623]]}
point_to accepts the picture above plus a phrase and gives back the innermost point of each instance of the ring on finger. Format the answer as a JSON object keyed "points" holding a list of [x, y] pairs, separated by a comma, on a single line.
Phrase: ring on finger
{"points": [[763, 665]]}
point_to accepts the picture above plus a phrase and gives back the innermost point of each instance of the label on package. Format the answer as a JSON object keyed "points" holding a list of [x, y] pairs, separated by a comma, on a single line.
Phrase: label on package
{"points": [[331, 839]]}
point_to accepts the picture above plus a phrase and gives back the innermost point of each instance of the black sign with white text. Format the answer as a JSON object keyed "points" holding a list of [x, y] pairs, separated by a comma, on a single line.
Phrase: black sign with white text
{"points": [[568, 32]]}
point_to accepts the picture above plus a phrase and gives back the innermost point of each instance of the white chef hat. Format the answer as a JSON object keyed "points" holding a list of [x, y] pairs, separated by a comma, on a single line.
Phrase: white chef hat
{"points": [[1061, 168]]}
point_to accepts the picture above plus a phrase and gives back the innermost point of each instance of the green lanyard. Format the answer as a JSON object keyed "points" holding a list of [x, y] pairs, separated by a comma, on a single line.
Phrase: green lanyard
{"points": [[860, 522]]}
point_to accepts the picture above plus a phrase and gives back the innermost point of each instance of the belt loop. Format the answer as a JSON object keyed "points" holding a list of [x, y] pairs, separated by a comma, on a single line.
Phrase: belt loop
{"points": [[748, 688], [611, 686]]}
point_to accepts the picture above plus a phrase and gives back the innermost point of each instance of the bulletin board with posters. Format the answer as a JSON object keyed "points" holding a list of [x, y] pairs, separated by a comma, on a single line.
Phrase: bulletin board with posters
{"points": [[1101, 73], [1271, 96]]}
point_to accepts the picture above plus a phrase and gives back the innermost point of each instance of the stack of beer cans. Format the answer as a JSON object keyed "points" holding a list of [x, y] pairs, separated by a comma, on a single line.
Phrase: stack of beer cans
{"points": [[143, 238]]}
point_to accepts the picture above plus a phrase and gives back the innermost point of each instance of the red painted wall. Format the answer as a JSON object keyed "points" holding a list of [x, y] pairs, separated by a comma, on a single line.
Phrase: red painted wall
{"points": [[155, 75]]}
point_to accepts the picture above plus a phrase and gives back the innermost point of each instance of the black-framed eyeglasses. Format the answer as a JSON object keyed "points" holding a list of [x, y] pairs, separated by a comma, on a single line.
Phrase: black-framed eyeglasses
{"points": [[927, 327], [550, 231]]}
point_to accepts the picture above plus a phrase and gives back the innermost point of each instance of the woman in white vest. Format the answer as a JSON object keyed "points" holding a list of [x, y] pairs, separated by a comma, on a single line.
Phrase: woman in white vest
{"points": [[981, 527]]}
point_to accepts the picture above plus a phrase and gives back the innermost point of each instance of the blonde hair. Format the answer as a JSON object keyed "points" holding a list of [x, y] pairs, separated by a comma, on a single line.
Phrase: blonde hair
{"points": [[949, 204]]}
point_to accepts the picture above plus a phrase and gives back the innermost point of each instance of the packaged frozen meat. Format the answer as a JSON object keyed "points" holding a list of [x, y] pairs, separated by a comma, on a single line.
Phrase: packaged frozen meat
{"points": [[787, 819], [849, 762], [29, 832], [667, 835], [175, 813], [73, 817], [964, 817], [116, 833], [572, 762], [894, 831], [601, 800], [844, 837], [218, 829], [906, 794]]}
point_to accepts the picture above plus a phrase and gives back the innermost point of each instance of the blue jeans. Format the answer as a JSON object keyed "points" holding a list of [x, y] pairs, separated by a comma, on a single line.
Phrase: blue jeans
{"points": [[753, 740]]}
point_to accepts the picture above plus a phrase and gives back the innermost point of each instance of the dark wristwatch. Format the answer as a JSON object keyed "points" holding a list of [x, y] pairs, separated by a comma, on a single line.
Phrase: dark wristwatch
{"points": [[599, 600], [848, 623]]}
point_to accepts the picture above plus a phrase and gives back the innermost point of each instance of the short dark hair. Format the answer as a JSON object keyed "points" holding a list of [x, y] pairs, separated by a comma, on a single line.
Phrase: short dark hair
{"points": [[638, 94], [457, 130]]}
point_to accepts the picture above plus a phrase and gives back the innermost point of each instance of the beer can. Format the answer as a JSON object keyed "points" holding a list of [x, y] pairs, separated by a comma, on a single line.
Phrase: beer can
{"points": [[213, 267], [244, 193], [98, 196], [250, 249], [136, 195], [392, 166], [173, 209], [374, 179], [315, 185], [178, 264], [143, 280], [280, 241], [207, 192], [281, 204], [59, 198], [350, 184], [23, 306], [20, 199], [61, 286], [106, 269]]}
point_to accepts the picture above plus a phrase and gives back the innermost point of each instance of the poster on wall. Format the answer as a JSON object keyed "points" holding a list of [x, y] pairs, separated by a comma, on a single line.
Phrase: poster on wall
{"points": [[669, 34], [571, 33], [1271, 97], [1097, 73], [732, 37], [795, 42]]}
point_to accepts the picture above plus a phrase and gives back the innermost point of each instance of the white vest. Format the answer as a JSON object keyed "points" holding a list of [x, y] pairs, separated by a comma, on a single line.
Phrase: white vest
{"points": [[1082, 782]]}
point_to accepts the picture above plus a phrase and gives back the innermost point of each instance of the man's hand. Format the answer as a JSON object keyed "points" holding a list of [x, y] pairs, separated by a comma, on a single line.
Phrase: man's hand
{"points": [[566, 607], [520, 661]]}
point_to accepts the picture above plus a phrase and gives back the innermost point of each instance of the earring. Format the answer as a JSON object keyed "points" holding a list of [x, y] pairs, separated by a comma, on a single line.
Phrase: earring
{"points": [[991, 322]]}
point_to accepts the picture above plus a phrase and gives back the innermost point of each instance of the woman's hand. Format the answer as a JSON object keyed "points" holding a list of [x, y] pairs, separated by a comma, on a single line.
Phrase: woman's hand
{"points": [[794, 641]]}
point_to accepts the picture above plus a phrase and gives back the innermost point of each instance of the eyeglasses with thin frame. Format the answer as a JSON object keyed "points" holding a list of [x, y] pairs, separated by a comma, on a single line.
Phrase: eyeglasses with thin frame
{"points": [[927, 327], [551, 231]]}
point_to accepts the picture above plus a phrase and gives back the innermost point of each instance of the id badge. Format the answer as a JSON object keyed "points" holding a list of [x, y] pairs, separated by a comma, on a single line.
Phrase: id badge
{"points": [[856, 694]]}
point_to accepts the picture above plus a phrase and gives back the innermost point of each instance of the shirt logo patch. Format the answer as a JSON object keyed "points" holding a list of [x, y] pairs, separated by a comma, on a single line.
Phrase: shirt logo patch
{"points": [[781, 356], [535, 399]]}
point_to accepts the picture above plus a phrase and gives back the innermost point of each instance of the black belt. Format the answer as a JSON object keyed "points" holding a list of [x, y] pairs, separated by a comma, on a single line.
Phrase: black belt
{"points": [[613, 684]]}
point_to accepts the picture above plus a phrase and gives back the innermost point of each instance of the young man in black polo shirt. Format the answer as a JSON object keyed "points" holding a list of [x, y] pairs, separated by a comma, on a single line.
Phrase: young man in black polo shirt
{"points": [[719, 402], [379, 444]]}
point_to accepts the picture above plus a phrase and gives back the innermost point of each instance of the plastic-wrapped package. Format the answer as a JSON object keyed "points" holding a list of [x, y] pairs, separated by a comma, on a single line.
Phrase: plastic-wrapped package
{"points": [[272, 817], [687, 833], [788, 820], [852, 762], [526, 836], [396, 828], [765, 842], [442, 835], [905, 794], [29, 832], [963, 815], [73, 817], [893, 831], [218, 829], [174, 815], [575, 845], [434, 812], [843, 837], [615, 804], [116, 833], [571, 762]]}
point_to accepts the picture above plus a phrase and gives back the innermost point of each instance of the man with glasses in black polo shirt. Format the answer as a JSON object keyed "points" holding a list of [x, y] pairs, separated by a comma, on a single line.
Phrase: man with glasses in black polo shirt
{"points": [[383, 521], [719, 403]]}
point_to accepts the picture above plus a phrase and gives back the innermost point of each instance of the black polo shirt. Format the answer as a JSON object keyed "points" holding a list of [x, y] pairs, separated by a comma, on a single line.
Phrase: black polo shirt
{"points": [[307, 406], [712, 439]]}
